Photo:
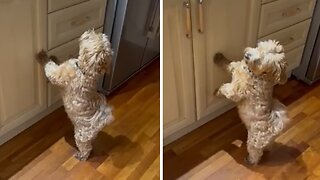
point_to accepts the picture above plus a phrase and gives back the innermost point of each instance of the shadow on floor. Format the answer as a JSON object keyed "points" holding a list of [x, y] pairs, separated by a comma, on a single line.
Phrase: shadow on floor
{"points": [[106, 146], [278, 156]]}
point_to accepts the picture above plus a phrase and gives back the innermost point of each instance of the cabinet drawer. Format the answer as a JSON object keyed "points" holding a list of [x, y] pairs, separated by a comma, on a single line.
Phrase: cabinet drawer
{"points": [[283, 13], [63, 53], [293, 57], [68, 50], [70, 23], [267, 1], [291, 37], [54, 5]]}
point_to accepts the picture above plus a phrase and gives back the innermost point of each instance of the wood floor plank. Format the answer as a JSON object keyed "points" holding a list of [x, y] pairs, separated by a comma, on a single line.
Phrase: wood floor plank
{"points": [[152, 171]]}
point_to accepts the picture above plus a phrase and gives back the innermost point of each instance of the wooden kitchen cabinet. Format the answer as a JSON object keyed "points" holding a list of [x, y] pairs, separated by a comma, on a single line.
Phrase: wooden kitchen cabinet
{"points": [[22, 82], [27, 26], [227, 29], [178, 75], [190, 76], [226, 26]]}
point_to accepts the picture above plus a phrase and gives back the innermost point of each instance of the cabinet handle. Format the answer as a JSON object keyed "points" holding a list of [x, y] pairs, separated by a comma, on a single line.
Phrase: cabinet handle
{"points": [[291, 12], [80, 21], [186, 5], [289, 40], [200, 16]]}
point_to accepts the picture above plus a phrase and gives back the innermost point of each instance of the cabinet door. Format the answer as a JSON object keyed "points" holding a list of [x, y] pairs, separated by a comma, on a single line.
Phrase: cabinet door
{"points": [[229, 26], [178, 75], [22, 83]]}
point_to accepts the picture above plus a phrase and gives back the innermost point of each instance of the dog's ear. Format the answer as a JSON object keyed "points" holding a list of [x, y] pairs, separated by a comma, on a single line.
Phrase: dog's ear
{"points": [[86, 34], [283, 75], [280, 68], [106, 55], [279, 48], [104, 60]]}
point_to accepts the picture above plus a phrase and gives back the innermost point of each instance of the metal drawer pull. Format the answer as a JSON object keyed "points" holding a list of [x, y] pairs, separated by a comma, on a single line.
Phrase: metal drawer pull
{"points": [[186, 4], [200, 16]]}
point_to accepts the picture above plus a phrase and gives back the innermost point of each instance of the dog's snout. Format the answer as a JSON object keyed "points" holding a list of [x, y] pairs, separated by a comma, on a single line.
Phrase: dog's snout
{"points": [[247, 55]]}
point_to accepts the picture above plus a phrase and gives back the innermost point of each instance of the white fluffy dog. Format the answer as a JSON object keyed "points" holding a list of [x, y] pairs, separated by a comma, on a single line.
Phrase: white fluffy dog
{"points": [[87, 109], [253, 79]]}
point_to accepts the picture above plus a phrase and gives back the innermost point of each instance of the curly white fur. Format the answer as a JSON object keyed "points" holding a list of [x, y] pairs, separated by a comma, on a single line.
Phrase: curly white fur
{"points": [[253, 79], [87, 109]]}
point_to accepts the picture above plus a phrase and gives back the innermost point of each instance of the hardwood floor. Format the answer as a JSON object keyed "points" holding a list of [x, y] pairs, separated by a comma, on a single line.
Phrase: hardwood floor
{"points": [[217, 150], [127, 149]]}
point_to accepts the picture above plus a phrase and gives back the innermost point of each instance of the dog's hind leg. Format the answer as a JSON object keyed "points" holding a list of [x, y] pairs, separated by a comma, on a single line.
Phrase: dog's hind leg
{"points": [[255, 154], [83, 137], [84, 149]]}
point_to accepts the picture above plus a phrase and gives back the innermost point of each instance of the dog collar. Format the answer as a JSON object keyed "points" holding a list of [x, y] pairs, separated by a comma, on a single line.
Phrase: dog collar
{"points": [[80, 69]]}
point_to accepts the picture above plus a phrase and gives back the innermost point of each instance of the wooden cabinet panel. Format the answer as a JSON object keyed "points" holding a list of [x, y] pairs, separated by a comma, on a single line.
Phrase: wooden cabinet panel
{"points": [[283, 13], [54, 5], [22, 83], [267, 1], [292, 36], [227, 29], [293, 57], [179, 98], [69, 23]]}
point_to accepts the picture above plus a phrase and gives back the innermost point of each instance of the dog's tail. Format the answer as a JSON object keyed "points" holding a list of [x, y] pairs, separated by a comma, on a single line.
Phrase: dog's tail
{"points": [[280, 117]]}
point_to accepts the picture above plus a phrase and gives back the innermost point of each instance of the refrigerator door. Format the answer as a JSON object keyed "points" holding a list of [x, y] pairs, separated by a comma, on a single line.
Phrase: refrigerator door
{"points": [[128, 40], [151, 52], [152, 49], [313, 72]]}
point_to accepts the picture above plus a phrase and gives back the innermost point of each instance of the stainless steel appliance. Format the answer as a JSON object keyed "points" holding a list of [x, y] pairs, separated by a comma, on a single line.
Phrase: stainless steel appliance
{"points": [[133, 28], [309, 69]]}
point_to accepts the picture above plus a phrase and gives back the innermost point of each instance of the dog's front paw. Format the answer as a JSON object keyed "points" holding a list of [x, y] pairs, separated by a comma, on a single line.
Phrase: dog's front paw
{"points": [[217, 92], [221, 61], [55, 59], [218, 57], [42, 57]]}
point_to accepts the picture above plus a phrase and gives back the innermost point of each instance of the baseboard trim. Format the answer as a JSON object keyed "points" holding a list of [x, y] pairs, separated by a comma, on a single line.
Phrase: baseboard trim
{"points": [[6, 136], [173, 137]]}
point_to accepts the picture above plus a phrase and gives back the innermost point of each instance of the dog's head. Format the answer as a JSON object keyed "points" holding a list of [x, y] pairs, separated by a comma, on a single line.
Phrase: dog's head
{"points": [[95, 54], [267, 60]]}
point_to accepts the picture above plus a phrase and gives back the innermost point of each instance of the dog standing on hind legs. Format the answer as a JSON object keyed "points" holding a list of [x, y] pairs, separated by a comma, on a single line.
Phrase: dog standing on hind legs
{"points": [[253, 79], [77, 78]]}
